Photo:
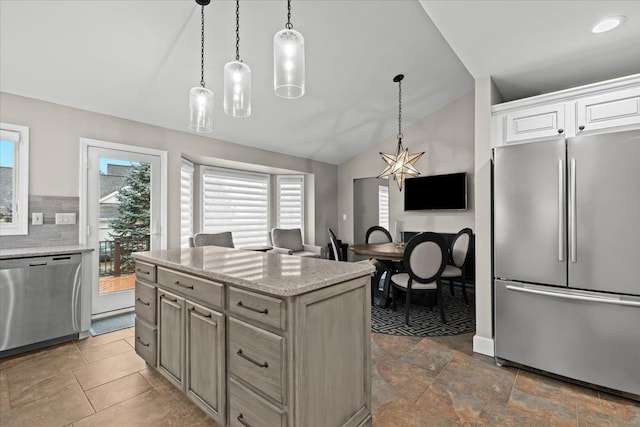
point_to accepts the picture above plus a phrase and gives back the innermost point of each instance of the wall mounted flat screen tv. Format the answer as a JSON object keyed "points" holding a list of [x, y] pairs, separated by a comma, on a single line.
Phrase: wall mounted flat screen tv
{"points": [[436, 192]]}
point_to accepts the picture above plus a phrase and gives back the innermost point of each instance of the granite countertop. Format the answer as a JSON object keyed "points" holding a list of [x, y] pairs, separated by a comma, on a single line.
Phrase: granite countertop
{"points": [[282, 275], [43, 251]]}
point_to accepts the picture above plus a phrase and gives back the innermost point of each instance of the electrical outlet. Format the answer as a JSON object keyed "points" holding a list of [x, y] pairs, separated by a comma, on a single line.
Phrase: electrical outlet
{"points": [[344, 217], [65, 218], [36, 218]]}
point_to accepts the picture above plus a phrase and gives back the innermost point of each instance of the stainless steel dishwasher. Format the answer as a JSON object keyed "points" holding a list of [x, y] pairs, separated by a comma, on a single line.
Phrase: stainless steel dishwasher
{"points": [[39, 302]]}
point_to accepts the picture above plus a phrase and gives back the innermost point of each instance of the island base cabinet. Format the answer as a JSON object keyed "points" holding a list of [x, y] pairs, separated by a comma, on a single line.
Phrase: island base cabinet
{"points": [[248, 409], [205, 360], [171, 336]]}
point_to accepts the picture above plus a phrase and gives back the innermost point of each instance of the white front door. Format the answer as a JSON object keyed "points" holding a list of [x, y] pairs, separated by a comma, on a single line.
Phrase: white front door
{"points": [[123, 214]]}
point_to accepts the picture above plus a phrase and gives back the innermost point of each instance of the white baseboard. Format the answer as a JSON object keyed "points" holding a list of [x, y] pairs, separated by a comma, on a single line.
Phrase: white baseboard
{"points": [[112, 313], [483, 345]]}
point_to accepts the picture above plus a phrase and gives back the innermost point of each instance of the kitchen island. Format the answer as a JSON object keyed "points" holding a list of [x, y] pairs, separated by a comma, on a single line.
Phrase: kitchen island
{"points": [[258, 339]]}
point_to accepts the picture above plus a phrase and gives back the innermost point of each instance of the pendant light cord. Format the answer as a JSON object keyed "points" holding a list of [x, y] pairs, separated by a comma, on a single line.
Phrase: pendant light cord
{"points": [[400, 110], [289, 24], [202, 47], [237, 30]]}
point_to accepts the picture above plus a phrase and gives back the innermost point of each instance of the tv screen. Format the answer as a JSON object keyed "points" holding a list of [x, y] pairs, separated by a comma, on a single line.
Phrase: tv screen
{"points": [[446, 192]]}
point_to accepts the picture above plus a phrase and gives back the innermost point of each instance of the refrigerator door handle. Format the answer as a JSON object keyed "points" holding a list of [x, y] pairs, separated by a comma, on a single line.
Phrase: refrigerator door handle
{"points": [[575, 297], [561, 212], [573, 242]]}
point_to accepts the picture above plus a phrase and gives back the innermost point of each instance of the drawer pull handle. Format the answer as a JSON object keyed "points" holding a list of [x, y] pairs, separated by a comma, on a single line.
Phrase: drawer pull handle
{"points": [[200, 314], [169, 299], [142, 342], [142, 271], [183, 285], [242, 421], [263, 311], [142, 302], [250, 359]]}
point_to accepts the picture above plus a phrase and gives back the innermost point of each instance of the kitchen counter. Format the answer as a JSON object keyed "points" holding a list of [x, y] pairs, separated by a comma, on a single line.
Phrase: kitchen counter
{"points": [[43, 251], [265, 272]]}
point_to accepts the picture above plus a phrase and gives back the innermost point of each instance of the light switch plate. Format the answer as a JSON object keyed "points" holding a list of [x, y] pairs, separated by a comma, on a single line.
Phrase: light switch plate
{"points": [[65, 218], [36, 218]]}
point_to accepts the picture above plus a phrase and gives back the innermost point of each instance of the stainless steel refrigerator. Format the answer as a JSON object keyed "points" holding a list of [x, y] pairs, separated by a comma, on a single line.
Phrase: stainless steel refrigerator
{"points": [[567, 257]]}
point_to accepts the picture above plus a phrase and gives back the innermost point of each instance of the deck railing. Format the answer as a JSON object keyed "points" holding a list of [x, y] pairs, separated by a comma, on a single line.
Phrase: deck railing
{"points": [[115, 255]]}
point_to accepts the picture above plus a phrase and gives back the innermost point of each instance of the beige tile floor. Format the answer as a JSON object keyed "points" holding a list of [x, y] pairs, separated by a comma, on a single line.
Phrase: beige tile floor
{"points": [[100, 381]]}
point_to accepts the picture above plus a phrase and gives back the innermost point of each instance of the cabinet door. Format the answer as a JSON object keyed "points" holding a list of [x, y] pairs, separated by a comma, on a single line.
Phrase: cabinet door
{"points": [[533, 123], [608, 110], [171, 331], [205, 360]]}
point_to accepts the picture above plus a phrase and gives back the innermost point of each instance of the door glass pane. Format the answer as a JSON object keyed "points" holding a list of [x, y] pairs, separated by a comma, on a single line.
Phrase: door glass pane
{"points": [[125, 209], [7, 154]]}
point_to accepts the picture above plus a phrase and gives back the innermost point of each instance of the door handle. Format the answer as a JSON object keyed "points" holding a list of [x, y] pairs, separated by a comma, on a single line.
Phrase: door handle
{"points": [[575, 297], [194, 311], [573, 241], [561, 211], [263, 311], [252, 360]]}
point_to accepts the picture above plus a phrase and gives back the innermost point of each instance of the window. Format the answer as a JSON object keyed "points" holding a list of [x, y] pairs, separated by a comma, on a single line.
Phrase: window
{"points": [[290, 201], [383, 206], [236, 201], [14, 179], [186, 202]]}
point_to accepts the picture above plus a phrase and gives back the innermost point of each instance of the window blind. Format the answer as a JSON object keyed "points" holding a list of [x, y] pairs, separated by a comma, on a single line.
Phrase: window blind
{"points": [[383, 206], [290, 201], [236, 201], [186, 202]]}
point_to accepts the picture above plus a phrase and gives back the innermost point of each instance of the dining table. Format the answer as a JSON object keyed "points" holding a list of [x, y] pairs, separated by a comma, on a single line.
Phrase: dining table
{"points": [[390, 256]]}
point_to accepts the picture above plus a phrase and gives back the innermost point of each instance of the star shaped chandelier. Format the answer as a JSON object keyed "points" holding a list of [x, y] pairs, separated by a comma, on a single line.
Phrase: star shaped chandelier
{"points": [[401, 164]]}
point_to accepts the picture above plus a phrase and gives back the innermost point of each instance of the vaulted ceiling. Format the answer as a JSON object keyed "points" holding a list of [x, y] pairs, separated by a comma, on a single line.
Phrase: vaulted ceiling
{"points": [[138, 59]]}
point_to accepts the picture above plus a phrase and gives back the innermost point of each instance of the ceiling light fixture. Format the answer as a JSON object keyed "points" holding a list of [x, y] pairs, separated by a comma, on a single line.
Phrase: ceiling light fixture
{"points": [[237, 80], [201, 98], [401, 164], [608, 24], [288, 61]]}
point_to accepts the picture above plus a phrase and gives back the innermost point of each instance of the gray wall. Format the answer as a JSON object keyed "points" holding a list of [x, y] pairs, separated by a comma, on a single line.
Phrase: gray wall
{"points": [[54, 154], [447, 138], [365, 205]]}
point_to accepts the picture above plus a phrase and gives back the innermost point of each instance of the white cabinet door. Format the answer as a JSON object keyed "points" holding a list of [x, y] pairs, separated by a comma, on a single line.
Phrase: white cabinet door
{"points": [[619, 108], [533, 123]]}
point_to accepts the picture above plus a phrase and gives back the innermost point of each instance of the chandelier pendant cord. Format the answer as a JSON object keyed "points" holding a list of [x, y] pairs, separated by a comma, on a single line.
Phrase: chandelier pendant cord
{"points": [[202, 46], [289, 24], [400, 111], [237, 30]]}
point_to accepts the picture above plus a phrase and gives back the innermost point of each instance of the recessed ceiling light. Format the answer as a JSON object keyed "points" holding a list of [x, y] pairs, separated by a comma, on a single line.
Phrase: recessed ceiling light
{"points": [[608, 24]]}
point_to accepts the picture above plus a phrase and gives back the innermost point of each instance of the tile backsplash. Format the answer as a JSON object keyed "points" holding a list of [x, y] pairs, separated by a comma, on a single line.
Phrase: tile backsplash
{"points": [[48, 234]]}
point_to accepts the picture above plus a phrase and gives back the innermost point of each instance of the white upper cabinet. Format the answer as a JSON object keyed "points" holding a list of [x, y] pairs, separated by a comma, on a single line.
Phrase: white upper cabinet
{"points": [[600, 107], [619, 108], [537, 122]]}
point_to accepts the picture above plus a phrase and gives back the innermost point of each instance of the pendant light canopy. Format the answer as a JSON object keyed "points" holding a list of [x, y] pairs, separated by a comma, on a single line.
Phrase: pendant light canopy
{"points": [[201, 98], [401, 164], [237, 80], [288, 61]]}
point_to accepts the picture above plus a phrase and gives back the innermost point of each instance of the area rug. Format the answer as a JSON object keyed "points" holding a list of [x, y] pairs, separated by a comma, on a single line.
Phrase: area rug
{"points": [[425, 322], [110, 324]]}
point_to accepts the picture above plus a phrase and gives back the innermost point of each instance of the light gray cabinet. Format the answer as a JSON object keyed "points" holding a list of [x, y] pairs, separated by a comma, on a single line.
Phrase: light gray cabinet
{"points": [[205, 359], [171, 340], [146, 330]]}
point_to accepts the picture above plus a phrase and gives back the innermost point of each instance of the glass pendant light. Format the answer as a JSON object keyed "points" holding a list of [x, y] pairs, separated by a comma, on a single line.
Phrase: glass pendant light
{"points": [[288, 61], [401, 164], [237, 80], [201, 98]]}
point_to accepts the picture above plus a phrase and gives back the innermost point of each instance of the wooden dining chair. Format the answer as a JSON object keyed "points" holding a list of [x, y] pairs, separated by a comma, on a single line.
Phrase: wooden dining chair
{"points": [[333, 240], [425, 258], [377, 234]]}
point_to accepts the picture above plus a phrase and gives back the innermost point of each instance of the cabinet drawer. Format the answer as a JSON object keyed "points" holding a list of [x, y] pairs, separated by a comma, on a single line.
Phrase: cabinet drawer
{"points": [[146, 302], [262, 308], [145, 339], [257, 356], [248, 409], [145, 271], [191, 287]]}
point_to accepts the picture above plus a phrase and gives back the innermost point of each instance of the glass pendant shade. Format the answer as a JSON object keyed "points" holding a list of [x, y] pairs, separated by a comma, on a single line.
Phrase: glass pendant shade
{"points": [[237, 89], [201, 109], [288, 63]]}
